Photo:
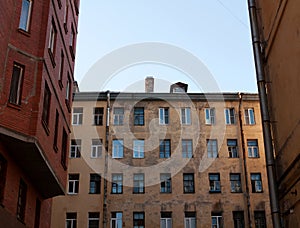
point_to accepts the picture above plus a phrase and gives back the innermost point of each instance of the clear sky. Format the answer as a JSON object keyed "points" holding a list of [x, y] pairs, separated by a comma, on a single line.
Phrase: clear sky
{"points": [[215, 31]]}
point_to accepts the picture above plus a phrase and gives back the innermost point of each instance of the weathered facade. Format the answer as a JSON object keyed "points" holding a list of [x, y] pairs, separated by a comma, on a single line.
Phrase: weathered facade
{"points": [[280, 33], [37, 54], [165, 160]]}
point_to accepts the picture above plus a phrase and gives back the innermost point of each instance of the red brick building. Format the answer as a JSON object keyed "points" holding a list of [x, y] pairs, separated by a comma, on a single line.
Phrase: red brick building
{"points": [[37, 54]]}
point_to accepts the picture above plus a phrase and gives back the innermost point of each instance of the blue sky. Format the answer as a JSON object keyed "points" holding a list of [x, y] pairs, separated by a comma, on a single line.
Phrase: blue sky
{"points": [[215, 31]]}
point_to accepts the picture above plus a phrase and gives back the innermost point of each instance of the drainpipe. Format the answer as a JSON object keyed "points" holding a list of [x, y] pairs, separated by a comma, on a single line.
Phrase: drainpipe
{"points": [[105, 222], [244, 159], [261, 84]]}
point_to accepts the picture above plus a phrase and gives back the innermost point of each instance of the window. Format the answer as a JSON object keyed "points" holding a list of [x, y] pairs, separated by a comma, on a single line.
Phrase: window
{"points": [[46, 105], [117, 148], [94, 219], [75, 148], [64, 148], [21, 201], [116, 220], [95, 183], [96, 150], [139, 116], [117, 183], [71, 220], [138, 219], [68, 90], [260, 219], [249, 116], [56, 131], [163, 116], [52, 38], [165, 148], [61, 67], [15, 93], [25, 15], [66, 12], [256, 182], [72, 41], [138, 183], [77, 116], [229, 116], [252, 148], [165, 219], [214, 183], [216, 220], [212, 148], [190, 220], [3, 168], [118, 116], [73, 185], [138, 148], [188, 183], [165, 183], [98, 116], [232, 148], [186, 116], [209, 115], [238, 219], [187, 148], [235, 182]]}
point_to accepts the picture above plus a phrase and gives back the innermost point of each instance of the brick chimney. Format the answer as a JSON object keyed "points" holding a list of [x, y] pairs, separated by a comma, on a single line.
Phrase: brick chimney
{"points": [[149, 84]]}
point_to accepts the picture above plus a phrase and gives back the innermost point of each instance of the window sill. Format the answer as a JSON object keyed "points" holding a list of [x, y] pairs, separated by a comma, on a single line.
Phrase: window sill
{"points": [[116, 193], [165, 193], [189, 193], [214, 192], [51, 57], [138, 193], [236, 192], [14, 106], [45, 126], [24, 32], [91, 193]]}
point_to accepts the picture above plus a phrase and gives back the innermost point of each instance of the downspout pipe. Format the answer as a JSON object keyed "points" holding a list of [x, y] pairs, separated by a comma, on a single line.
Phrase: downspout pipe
{"points": [[105, 220], [247, 195], [266, 126]]}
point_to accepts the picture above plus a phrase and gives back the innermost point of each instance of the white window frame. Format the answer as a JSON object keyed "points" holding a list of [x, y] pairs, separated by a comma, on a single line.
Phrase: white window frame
{"points": [[138, 148], [187, 148], [186, 116], [118, 148], [77, 116], [93, 219], [218, 219], [72, 220], [74, 184], [251, 149], [166, 221], [257, 182], [164, 116], [249, 116], [52, 38], [118, 220], [75, 149], [188, 222], [235, 185], [96, 149], [26, 17], [212, 148], [229, 117], [209, 116], [117, 180], [214, 185], [139, 183], [233, 151], [118, 118]]}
